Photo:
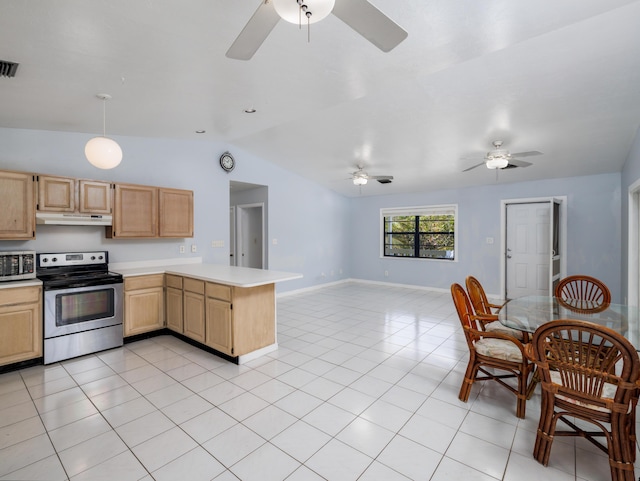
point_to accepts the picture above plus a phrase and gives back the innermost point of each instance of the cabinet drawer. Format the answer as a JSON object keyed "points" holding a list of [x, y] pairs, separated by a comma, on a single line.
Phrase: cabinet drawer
{"points": [[143, 282], [219, 291], [193, 285], [173, 281], [20, 295]]}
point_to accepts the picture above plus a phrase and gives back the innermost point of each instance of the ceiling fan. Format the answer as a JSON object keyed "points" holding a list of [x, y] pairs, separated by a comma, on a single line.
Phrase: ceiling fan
{"points": [[500, 158], [360, 177], [360, 15]]}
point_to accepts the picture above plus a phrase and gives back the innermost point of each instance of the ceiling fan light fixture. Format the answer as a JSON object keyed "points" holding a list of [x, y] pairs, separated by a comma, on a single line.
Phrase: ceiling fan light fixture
{"points": [[359, 180], [497, 162], [103, 152], [313, 10]]}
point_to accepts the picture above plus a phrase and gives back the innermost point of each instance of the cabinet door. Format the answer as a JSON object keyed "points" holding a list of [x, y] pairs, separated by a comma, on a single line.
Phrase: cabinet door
{"points": [[173, 298], [17, 201], [194, 316], [143, 310], [56, 194], [135, 213], [219, 326], [95, 197], [20, 333], [176, 213]]}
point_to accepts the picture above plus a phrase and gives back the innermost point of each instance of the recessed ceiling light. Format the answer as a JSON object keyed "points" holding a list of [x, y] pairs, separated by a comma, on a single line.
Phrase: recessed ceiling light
{"points": [[200, 131], [249, 111]]}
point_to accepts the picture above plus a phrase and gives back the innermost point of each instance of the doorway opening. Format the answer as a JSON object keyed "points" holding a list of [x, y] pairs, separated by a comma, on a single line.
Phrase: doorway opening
{"points": [[633, 274], [247, 225]]}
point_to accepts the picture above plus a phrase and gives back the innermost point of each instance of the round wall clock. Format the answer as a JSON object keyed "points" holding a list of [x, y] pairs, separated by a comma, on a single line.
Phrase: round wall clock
{"points": [[227, 162]]}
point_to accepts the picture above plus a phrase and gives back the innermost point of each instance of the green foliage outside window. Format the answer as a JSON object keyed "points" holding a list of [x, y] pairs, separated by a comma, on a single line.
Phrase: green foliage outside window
{"points": [[421, 236]]}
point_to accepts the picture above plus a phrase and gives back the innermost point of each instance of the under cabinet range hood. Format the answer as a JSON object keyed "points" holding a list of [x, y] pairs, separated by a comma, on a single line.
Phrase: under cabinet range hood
{"points": [[73, 219]]}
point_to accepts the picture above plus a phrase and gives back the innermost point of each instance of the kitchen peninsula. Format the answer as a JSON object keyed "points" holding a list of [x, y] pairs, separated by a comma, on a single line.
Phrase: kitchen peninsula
{"points": [[229, 309]]}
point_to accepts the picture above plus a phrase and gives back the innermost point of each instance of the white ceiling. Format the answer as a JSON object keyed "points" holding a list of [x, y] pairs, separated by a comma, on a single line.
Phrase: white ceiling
{"points": [[560, 77]]}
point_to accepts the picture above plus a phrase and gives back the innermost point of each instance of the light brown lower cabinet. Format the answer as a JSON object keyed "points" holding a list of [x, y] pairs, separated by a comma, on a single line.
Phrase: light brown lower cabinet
{"points": [[232, 320], [20, 324], [194, 310], [173, 303], [219, 328], [143, 304]]}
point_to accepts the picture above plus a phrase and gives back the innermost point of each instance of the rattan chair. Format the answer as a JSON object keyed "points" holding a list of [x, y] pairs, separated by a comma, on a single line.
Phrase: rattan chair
{"points": [[486, 311], [490, 351], [583, 293], [589, 373]]}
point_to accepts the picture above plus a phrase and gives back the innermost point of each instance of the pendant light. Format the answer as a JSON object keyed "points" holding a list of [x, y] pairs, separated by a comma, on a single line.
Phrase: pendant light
{"points": [[103, 152]]}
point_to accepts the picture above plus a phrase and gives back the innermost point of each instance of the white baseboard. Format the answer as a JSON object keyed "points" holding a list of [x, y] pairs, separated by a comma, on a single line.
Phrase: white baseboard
{"points": [[360, 281]]}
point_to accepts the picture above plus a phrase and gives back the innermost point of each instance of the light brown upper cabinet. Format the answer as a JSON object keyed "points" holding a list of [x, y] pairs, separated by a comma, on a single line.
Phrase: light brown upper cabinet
{"points": [[56, 194], [135, 212], [65, 194], [95, 197], [145, 211], [176, 213], [18, 201]]}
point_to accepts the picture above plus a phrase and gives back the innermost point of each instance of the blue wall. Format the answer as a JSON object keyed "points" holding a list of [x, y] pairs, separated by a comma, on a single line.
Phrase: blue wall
{"points": [[593, 238], [308, 220], [324, 236]]}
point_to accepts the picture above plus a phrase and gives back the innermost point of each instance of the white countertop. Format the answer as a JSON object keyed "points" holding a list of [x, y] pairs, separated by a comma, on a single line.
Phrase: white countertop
{"points": [[229, 275], [22, 283]]}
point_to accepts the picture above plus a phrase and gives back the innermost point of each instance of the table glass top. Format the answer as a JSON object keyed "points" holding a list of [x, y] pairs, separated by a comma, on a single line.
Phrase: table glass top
{"points": [[529, 312]]}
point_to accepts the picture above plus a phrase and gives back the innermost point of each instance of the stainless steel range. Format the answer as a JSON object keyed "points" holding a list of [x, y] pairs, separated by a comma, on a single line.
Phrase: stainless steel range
{"points": [[83, 304]]}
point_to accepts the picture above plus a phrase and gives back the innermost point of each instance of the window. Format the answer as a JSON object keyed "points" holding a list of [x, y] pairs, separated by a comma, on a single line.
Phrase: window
{"points": [[426, 232]]}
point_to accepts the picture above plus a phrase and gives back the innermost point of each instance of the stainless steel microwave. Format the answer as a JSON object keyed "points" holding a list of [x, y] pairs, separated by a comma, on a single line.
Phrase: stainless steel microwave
{"points": [[16, 265]]}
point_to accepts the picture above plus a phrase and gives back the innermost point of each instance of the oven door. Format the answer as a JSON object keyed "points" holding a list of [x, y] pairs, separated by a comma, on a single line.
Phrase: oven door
{"points": [[79, 309]]}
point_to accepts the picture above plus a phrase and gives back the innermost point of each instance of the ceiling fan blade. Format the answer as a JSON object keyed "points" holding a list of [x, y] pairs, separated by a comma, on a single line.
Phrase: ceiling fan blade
{"points": [[526, 154], [519, 163], [254, 32], [380, 177], [473, 167], [370, 22]]}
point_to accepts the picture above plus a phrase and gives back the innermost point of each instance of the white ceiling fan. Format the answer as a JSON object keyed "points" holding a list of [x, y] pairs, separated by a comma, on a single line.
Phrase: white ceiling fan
{"points": [[360, 177], [360, 15], [500, 158]]}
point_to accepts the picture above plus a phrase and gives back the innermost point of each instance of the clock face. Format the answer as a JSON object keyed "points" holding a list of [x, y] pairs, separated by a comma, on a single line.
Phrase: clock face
{"points": [[227, 162]]}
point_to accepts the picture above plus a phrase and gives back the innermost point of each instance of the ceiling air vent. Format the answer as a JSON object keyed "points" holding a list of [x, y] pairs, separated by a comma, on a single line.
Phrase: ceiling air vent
{"points": [[8, 69]]}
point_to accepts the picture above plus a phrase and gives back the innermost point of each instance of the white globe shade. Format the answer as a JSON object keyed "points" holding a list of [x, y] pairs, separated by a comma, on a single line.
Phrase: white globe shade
{"points": [[103, 152], [497, 163], [289, 10]]}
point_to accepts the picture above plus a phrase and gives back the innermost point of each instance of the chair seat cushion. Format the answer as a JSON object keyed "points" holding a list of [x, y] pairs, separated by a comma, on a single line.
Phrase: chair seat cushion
{"points": [[608, 392], [497, 326], [498, 348]]}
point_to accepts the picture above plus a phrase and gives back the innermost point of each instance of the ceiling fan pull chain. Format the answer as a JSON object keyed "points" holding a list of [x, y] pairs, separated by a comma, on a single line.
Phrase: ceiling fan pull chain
{"points": [[308, 27]]}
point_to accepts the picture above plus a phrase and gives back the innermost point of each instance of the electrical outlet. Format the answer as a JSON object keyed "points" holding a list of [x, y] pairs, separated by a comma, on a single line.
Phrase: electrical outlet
{"points": [[274, 242], [386, 273], [194, 248], [182, 250]]}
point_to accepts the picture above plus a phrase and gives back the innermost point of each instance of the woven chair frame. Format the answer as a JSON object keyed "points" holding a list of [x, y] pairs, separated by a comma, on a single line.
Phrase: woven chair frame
{"points": [[585, 357], [477, 368]]}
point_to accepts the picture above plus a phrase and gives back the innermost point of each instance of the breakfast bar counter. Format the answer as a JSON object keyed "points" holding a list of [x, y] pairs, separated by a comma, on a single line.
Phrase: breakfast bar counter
{"points": [[231, 310]]}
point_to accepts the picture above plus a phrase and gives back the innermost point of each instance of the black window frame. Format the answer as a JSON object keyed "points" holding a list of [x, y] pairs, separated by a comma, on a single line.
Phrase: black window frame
{"points": [[432, 244]]}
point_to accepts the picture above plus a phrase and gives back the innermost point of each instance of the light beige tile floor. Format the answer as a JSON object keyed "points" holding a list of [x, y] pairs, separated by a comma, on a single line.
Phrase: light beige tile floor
{"points": [[364, 386]]}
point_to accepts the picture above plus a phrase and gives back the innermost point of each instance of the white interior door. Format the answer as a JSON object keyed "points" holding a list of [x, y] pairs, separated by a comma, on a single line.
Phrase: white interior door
{"points": [[250, 220], [529, 238]]}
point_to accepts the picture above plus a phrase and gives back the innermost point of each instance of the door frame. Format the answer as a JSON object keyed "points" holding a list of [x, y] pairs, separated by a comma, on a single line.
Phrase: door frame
{"points": [[633, 261], [239, 209], [503, 234]]}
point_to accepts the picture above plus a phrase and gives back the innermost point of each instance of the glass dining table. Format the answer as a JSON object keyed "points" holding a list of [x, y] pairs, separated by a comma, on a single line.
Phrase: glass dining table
{"points": [[529, 312]]}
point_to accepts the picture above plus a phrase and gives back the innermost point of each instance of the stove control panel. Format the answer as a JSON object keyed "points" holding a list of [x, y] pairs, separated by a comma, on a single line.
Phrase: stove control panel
{"points": [[60, 259]]}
